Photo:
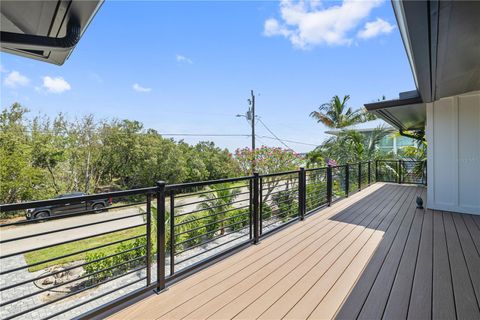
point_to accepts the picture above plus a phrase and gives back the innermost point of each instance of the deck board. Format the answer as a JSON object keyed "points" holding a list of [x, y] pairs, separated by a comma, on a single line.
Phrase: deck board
{"points": [[420, 306], [465, 302], [443, 304], [371, 255]]}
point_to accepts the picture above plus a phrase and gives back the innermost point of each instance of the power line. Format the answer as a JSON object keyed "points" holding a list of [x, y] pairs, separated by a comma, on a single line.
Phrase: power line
{"points": [[268, 129], [291, 141]]}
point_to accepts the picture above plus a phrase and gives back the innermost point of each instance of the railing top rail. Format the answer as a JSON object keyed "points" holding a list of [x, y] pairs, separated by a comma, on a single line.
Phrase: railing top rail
{"points": [[180, 186], [168, 188], [275, 174]]}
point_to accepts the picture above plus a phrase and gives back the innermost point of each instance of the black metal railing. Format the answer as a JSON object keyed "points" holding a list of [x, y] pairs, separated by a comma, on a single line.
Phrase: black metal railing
{"points": [[148, 237]]}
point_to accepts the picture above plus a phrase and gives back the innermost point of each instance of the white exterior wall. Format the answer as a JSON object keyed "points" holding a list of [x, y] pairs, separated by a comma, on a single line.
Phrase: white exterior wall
{"points": [[453, 159]]}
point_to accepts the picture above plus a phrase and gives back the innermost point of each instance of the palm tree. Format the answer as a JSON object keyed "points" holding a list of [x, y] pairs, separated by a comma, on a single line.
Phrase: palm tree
{"points": [[216, 203], [350, 146], [336, 114]]}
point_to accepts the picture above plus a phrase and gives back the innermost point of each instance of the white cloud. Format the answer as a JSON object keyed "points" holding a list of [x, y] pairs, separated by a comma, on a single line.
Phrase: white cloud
{"points": [[183, 59], [375, 28], [16, 79], [308, 24], [55, 85], [139, 88]]}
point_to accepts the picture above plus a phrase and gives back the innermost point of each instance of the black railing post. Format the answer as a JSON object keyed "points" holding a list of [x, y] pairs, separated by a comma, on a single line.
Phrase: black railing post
{"points": [[369, 172], [347, 179], [160, 236], [376, 170], [399, 164], [149, 238], [424, 172], [329, 185], [360, 175], [256, 208], [302, 193], [172, 233]]}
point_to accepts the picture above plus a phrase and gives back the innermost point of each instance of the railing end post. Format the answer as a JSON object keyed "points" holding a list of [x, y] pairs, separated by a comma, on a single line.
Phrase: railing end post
{"points": [[160, 236], [256, 207], [329, 185], [302, 193]]}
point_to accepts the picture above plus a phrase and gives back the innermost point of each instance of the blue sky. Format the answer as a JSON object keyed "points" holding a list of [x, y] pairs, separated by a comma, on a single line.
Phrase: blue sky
{"points": [[188, 67]]}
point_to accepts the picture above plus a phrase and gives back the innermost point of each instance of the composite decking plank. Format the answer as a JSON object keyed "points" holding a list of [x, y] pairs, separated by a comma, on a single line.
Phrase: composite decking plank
{"points": [[307, 303], [327, 308], [275, 292], [378, 296], [443, 303], [328, 302], [329, 305], [257, 294], [355, 301], [399, 298], [252, 273], [470, 254], [474, 232], [465, 300], [420, 306], [302, 289], [185, 290], [338, 256], [476, 219], [226, 296]]}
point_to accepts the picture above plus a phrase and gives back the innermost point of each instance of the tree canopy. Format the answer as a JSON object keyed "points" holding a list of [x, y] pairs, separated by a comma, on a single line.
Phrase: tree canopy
{"points": [[42, 157]]}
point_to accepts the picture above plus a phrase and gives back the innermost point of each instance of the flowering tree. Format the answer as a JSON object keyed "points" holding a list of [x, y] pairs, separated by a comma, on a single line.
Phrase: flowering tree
{"points": [[268, 160]]}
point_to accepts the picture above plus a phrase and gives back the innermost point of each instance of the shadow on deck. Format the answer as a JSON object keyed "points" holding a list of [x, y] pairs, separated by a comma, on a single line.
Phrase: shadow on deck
{"points": [[369, 256]]}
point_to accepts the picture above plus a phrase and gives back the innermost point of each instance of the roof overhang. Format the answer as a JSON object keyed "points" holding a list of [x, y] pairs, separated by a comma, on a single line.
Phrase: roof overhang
{"points": [[404, 114], [45, 30], [442, 42]]}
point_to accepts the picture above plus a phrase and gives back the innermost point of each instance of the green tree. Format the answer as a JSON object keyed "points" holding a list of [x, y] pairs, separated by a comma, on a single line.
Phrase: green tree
{"points": [[19, 179], [336, 114], [216, 203], [268, 160], [350, 146]]}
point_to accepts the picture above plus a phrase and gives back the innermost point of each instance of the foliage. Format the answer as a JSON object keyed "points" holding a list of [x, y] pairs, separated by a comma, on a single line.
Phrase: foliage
{"points": [[19, 178], [216, 203], [121, 262], [42, 157], [287, 203], [51, 254], [336, 114], [348, 146], [268, 160]]}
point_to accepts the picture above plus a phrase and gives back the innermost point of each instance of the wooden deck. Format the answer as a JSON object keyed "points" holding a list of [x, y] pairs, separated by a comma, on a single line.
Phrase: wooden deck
{"points": [[371, 256]]}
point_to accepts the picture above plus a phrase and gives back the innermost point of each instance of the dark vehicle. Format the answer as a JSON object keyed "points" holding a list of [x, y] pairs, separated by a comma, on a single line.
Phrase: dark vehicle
{"points": [[75, 206]]}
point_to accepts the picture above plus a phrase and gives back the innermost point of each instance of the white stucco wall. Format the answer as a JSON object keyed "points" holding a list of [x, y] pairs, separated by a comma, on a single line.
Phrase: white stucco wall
{"points": [[453, 159]]}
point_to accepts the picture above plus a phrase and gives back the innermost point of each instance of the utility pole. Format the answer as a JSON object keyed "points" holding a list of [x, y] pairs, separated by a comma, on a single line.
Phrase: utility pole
{"points": [[250, 116], [251, 101]]}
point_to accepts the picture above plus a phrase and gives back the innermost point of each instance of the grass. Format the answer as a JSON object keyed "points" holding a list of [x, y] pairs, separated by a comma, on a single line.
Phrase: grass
{"points": [[60, 250]]}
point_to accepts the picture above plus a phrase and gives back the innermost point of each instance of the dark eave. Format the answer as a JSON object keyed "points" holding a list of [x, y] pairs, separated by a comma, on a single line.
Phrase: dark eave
{"points": [[404, 114], [45, 30], [442, 43]]}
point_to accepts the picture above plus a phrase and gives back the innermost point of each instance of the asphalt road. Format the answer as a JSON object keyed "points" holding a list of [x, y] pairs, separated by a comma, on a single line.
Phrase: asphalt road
{"points": [[56, 224]]}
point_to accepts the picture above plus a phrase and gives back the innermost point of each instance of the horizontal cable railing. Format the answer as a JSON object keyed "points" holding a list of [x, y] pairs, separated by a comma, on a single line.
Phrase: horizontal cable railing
{"points": [[72, 254]]}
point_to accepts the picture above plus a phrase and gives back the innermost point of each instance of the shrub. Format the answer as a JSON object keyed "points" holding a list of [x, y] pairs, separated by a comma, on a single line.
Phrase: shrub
{"points": [[96, 269]]}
